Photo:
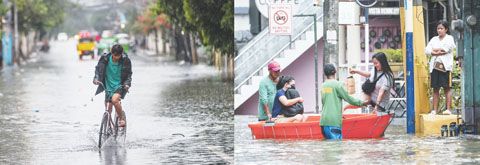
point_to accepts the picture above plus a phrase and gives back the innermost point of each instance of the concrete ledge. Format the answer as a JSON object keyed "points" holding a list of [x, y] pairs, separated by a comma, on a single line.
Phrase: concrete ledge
{"points": [[430, 124]]}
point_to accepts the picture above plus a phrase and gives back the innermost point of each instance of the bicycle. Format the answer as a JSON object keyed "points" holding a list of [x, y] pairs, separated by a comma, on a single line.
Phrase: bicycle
{"points": [[109, 128]]}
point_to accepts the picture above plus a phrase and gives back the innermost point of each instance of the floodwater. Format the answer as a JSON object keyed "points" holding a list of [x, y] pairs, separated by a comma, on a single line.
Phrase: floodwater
{"points": [[175, 114], [396, 147]]}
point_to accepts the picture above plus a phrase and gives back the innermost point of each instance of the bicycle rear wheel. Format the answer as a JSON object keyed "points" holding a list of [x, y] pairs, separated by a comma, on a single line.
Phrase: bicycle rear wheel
{"points": [[103, 133]]}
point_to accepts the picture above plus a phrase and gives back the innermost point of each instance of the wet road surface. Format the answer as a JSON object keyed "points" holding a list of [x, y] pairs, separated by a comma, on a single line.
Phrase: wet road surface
{"points": [[175, 114]]}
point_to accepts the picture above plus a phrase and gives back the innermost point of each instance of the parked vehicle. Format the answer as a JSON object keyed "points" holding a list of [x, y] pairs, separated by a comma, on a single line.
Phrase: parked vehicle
{"points": [[124, 40], [85, 45], [105, 44], [62, 36]]}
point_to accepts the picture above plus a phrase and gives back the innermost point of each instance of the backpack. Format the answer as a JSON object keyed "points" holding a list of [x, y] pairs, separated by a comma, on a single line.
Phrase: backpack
{"points": [[294, 109], [368, 86]]}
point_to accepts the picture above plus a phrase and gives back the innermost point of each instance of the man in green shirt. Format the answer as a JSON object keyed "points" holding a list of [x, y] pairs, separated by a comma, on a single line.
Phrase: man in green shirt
{"points": [[267, 91], [333, 93]]}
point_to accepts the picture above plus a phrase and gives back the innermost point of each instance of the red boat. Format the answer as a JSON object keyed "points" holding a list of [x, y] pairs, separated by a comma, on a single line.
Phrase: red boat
{"points": [[355, 126]]}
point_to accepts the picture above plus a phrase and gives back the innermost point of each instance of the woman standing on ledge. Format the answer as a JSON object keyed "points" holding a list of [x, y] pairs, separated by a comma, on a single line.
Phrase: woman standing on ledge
{"points": [[441, 64]]}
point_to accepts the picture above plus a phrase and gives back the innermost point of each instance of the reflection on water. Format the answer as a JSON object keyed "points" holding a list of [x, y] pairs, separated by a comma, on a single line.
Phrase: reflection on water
{"points": [[396, 147], [113, 155]]}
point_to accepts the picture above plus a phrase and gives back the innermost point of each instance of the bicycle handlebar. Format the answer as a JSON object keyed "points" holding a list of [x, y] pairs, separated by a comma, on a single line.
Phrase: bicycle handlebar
{"points": [[100, 83]]}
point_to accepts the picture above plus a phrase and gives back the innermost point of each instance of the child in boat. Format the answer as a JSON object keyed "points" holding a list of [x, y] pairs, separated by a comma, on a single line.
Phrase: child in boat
{"points": [[282, 103], [333, 93]]}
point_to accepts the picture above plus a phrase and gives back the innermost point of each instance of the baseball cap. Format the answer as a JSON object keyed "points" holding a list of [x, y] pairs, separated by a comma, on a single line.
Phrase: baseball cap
{"points": [[274, 66]]}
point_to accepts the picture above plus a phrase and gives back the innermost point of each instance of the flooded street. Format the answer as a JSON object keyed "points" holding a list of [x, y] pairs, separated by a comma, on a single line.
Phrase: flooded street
{"points": [[175, 114], [396, 147]]}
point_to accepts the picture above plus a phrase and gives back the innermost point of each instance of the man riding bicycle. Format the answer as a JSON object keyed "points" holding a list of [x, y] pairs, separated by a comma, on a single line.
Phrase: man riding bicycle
{"points": [[114, 71]]}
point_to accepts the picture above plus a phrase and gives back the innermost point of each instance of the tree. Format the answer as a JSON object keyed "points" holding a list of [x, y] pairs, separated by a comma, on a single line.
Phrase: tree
{"points": [[151, 22], [39, 15], [214, 21], [182, 29], [3, 9]]}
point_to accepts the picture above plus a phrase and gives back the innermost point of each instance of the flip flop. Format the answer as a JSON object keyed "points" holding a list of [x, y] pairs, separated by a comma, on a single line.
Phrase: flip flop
{"points": [[121, 123], [447, 112]]}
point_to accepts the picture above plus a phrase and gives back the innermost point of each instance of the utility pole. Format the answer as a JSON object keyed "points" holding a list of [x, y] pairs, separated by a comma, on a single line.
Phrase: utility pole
{"points": [[314, 16], [330, 31], [409, 64]]}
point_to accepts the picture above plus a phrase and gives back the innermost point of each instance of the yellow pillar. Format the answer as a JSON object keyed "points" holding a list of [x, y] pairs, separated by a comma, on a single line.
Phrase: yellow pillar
{"points": [[422, 81]]}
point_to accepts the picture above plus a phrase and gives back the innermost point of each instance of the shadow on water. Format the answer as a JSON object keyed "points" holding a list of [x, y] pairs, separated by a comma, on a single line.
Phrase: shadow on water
{"points": [[207, 104]]}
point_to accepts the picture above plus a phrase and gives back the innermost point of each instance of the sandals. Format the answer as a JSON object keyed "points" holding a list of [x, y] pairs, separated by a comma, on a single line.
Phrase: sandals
{"points": [[121, 122], [447, 112]]}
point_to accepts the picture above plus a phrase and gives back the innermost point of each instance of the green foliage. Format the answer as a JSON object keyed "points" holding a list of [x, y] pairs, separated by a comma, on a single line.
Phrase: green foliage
{"points": [[150, 21], [40, 15], [214, 22], [211, 19], [174, 9], [393, 55], [3, 8], [457, 87]]}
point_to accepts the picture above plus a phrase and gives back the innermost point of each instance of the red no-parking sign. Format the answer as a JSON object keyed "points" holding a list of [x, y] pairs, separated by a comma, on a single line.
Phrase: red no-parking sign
{"points": [[280, 19]]}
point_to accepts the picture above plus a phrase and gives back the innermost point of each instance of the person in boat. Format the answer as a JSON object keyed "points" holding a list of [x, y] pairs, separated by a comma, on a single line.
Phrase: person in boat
{"points": [[282, 106], [440, 48], [380, 81], [266, 92], [295, 109], [333, 92]]}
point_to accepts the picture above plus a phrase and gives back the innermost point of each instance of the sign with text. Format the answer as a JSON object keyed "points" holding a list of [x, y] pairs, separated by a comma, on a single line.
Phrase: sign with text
{"points": [[384, 11], [263, 5], [280, 19]]}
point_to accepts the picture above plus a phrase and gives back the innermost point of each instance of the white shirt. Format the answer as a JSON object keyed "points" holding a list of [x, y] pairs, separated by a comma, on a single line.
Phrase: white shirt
{"points": [[447, 44]]}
